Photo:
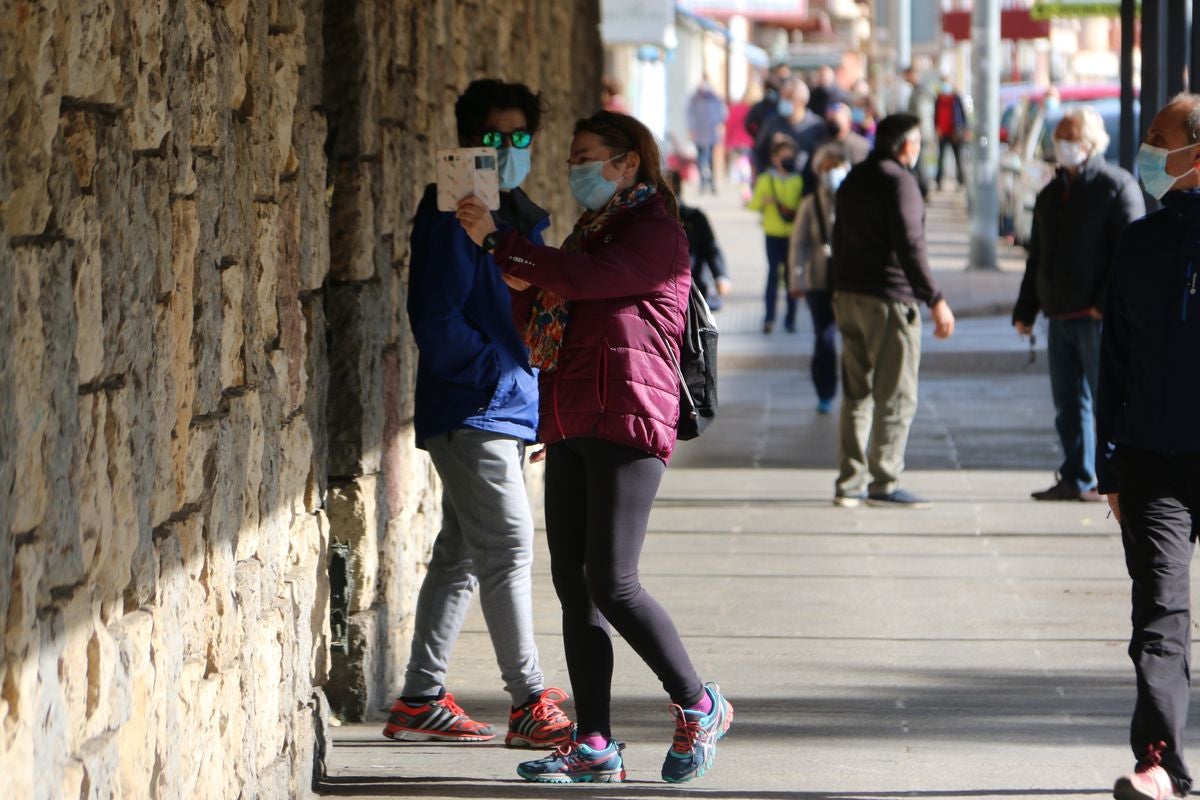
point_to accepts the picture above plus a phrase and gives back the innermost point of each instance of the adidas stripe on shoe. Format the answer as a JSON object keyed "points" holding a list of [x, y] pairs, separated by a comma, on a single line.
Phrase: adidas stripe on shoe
{"points": [[440, 720]]}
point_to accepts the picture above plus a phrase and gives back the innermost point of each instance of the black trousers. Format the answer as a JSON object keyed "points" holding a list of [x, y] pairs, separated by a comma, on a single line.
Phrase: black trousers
{"points": [[598, 500], [1160, 520], [955, 145]]}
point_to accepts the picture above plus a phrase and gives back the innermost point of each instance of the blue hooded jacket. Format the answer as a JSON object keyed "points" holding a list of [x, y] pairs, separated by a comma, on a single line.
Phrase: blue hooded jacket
{"points": [[1149, 393], [473, 369]]}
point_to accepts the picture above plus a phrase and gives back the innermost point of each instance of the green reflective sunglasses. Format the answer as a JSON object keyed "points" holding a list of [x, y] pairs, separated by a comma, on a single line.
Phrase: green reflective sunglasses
{"points": [[519, 139]]}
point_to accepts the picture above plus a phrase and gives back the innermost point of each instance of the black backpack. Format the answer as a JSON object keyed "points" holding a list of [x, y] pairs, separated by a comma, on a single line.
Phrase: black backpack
{"points": [[697, 368]]}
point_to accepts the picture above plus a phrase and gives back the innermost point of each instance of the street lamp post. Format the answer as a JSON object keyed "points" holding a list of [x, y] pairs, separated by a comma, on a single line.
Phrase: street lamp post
{"points": [[985, 52]]}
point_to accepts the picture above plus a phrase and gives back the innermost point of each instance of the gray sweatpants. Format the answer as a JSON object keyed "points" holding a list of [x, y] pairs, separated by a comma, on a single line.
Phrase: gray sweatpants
{"points": [[881, 354], [486, 540]]}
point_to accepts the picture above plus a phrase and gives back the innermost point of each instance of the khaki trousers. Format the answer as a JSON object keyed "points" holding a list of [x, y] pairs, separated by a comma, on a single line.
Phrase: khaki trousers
{"points": [[881, 353]]}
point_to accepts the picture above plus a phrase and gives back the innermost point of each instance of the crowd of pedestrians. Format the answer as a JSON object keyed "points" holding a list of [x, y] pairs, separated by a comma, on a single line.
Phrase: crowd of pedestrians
{"points": [[578, 348]]}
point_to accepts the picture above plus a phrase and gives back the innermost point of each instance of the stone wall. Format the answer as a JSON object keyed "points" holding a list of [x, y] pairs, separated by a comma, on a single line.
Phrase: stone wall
{"points": [[205, 370], [389, 95]]}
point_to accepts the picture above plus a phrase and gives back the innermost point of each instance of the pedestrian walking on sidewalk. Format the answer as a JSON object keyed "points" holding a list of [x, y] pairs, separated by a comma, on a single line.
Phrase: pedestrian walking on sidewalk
{"points": [[708, 263], [706, 115], [809, 259], [605, 330], [950, 122], [777, 196], [1148, 425], [476, 410], [1078, 219], [880, 273]]}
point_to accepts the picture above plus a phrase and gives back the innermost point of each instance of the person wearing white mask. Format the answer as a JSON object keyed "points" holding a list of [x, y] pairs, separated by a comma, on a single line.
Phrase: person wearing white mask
{"points": [[1148, 424], [809, 257], [1077, 220]]}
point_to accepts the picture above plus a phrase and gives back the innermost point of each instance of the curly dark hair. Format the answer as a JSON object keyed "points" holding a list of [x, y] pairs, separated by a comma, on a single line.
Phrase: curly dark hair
{"points": [[488, 94]]}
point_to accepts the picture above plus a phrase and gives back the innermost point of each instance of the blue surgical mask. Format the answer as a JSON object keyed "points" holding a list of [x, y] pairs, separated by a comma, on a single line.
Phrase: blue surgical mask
{"points": [[590, 187], [1152, 169], [786, 108], [513, 163]]}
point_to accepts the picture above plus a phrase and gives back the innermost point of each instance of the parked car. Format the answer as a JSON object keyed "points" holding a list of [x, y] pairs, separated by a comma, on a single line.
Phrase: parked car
{"points": [[1038, 168]]}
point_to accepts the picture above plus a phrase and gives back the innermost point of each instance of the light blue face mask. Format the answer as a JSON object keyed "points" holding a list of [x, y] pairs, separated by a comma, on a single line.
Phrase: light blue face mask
{"points": [[1152, 169], [590, 187], [513, 164], [786, 108]]}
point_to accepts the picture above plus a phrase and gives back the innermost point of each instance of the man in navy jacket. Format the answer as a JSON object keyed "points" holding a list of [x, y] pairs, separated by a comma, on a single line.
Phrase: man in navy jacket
{"points": [[1148, 429], [476, 410]]}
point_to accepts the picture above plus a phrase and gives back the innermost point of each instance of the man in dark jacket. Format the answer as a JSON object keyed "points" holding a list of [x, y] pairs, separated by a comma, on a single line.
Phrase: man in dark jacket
{"points": [[476, 410], [880, 273], [1148, 425], [950, 122], [1077, 221], [837, 127]]}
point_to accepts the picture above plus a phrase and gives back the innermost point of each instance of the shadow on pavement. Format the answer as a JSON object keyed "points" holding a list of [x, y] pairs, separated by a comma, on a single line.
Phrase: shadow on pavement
{"points": [[636, 790]]}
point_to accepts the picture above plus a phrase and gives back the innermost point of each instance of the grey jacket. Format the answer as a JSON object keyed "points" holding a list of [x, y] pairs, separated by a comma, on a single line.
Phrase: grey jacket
{"points": [[807, 255]]}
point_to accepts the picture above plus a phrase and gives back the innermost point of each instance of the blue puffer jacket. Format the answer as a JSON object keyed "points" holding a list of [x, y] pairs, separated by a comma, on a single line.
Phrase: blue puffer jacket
{"points": [[1149, 397], [473, 369]]}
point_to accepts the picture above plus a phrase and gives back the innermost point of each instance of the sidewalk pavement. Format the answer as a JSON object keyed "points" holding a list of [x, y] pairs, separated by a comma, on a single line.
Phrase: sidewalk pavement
{"points": [[973, 650]]}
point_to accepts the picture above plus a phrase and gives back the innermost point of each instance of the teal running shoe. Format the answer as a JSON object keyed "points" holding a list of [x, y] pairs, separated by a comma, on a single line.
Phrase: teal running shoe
{"points": [[575, 762], [695, 745]]}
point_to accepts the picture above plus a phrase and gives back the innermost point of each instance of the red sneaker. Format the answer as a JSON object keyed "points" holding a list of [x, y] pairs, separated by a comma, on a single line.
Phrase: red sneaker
{"points": [[540, 723], [440, 720], [1148, 781]]}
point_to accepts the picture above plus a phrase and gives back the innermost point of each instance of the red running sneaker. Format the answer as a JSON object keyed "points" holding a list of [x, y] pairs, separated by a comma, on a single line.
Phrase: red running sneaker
{"points": [[1148, 781], [440, 720], [540, 723]]}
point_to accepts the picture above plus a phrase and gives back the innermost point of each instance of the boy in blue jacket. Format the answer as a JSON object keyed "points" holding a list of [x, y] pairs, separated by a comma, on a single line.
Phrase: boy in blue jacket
{"points": [[1148, 429], [476, 410]]}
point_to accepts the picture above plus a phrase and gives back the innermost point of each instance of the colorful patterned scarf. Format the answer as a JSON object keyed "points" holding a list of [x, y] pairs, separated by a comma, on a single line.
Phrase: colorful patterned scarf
{"points": [[548, 322]]}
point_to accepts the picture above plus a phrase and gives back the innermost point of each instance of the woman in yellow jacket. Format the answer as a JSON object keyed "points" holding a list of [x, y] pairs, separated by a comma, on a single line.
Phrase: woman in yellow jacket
{"points": [[777, 195]]}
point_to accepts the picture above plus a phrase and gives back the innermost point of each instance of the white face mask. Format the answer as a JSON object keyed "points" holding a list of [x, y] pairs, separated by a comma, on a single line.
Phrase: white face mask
{"points": [[1069, 154]]}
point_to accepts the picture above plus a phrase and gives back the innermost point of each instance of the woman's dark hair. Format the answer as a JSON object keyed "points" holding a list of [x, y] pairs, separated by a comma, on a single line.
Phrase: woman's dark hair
{"points": [[486, 95], [891, 132], [624, 134]]}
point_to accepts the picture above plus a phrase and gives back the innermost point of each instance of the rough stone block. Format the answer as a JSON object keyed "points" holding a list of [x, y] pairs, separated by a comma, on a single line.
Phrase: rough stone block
{"points": [[233, 332], [138, 733], [30, 495], [142, 57], [314, 209], [355, 514], [352, 223], [93, 65], [354, 412]]}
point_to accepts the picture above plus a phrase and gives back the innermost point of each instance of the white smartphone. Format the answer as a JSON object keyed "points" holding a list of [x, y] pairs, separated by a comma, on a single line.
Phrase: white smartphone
{"points": [[466, 171]]}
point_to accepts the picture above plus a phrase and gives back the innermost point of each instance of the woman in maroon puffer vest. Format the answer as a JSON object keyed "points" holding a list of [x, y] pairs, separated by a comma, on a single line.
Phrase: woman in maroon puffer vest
{"points": [[605, 317]]}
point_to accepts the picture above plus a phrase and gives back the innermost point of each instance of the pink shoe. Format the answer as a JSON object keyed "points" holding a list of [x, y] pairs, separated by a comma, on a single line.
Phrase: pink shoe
{"points": [[1148, 781]]}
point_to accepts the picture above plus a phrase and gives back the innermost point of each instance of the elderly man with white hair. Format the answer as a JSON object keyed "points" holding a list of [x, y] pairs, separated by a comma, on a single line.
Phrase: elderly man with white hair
{"points": [[1077, 221]]}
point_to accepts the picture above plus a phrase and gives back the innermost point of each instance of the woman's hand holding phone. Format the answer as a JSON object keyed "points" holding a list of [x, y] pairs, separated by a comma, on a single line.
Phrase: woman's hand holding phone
{"points": [[475, 218]]}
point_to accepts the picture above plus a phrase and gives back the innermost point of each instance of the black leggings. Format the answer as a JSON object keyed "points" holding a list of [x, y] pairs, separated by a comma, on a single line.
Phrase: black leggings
{"points": [[598, 499]]}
